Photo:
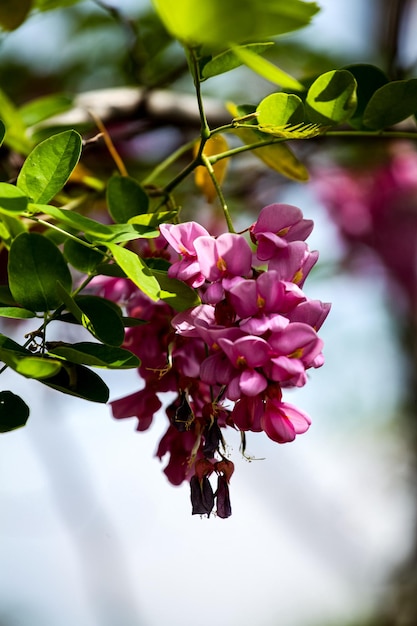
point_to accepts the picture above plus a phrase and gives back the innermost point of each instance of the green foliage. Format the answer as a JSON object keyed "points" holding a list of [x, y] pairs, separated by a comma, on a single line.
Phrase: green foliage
{"points": [[390, 104], [331, 99], [136, 270], [36, 265], [95, 355], [216, 22], [49, 166], [229, 59], [14, 412], [13, 13], [126, 198], [65, 218]]}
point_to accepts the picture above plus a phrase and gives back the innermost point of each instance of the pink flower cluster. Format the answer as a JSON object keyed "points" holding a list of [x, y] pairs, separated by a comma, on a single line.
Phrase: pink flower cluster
{"points": [[228, 359]]}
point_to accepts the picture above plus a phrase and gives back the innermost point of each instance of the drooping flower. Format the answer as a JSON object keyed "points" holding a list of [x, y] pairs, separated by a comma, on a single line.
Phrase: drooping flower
{"points": [[282, 421]]}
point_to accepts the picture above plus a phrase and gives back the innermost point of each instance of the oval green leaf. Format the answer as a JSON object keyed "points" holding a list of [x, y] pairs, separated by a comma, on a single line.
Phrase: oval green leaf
{"points": [[49, 165], [125, 198], [102, 319], [391, 103], [228, 60], [176, 293], [332, 98], [215, 22], [77, 380], [83, 258], [35, 267], [13, 13], [96, 355], [280, 109], [266, 69], [369, 78], [15, 312], [14, 412], [12, 199], [135, 269]]}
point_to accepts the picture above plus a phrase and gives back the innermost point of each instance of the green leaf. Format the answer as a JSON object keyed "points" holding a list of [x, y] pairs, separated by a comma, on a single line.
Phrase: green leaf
{"points": [[102, 318], [153, 219], [331, 99], [229, 60], [12, 199], [24, 362], [10, 228], [79, 381], [391, 103], [125, 198], [35, 267], [83, 258], [215, 22], [48, 5], [16, 137], [96, 355], [45, 107], [280, 109], [13, 13], [136, 270], [49, 165], [266, 69], [15, 312], [2, 132], [176, 293], [368, 78], [95, 231], [14, 412]]}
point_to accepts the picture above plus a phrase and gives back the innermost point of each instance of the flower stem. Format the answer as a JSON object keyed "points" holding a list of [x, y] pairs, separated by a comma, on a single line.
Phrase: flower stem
{"points": [[208, 165]]}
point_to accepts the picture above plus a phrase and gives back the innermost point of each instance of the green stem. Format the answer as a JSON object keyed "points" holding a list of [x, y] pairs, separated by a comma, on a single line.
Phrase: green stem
{"points": [[219, 192]]}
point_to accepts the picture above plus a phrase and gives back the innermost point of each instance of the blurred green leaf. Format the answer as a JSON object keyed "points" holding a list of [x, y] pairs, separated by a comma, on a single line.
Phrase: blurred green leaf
{"points": [[14, 412], [96, 355], [13, 13], [215, 22], [43, 108], [125, 198], [2, 132], [332, 99], [136, 270], [48, 5], [49, 165], [16, 135], [35, 267], [266, 69], [16, 312], [391, 103], [229, 60]]}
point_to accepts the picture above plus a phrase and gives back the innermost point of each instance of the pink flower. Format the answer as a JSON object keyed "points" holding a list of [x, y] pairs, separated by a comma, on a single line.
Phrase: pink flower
{"points": [[277, 225], [182, 238], [294, 262], [228, 255], [282, 421], [246, 354], [143, 404]]}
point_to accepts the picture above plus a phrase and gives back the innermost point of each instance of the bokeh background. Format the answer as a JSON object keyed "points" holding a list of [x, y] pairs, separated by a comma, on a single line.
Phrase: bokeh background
{"points": [[323, 529]]}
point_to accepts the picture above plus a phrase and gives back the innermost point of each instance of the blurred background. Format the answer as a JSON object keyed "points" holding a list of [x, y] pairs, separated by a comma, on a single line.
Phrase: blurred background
{"points": [[323, 529]]}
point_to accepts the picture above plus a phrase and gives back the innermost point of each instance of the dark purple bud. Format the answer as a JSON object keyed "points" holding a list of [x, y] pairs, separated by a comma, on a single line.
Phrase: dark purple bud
{"points": [[202, 496], [212, 439], [224, 508]]}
